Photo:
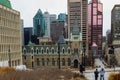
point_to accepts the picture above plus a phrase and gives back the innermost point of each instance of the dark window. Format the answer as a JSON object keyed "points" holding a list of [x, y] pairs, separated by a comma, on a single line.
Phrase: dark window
{"points": [[24, 51], [37, 51], [47, 51], [63, 51], [32, 51], [47, 61], [42, 51], [53, 62], [69, 51], [58, 62], [32, 57], [63, 61], [43, 63], [69, 61], [32, 64], [38, 62], [25, 57], [53, 51]]}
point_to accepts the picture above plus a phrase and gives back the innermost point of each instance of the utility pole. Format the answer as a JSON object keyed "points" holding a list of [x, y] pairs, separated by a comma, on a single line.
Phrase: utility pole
{"points": [[9, 57]]}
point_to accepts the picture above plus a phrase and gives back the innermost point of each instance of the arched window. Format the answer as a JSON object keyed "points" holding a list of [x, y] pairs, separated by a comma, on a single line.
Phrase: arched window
{"points": [[24, 51], [63, 61], [68, 51], [63, 51], [47, 51], [42, 51], [32, 51], [37, 51], [69, 61], [52, 51]]}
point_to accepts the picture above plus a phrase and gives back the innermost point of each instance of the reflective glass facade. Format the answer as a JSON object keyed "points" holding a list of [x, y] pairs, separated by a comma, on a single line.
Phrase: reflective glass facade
{"points": [[95, 24], [39, 24]]}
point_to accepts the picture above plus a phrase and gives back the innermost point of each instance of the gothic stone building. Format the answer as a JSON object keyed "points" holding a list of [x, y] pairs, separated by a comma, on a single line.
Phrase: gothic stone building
{"points": [[36, 56]]}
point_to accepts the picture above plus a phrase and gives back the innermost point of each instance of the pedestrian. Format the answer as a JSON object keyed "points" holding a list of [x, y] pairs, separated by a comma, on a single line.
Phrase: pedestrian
{"points": [[102, 72], [81, 68], [96, 74]]}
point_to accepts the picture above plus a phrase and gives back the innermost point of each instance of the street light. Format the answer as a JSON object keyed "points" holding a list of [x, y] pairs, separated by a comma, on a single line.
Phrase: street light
{"points": [[60, 41], [9, 57]]}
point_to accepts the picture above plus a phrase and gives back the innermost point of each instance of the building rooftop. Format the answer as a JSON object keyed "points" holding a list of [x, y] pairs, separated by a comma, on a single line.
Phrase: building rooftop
{"points": [[6, 3], [58, 21]]}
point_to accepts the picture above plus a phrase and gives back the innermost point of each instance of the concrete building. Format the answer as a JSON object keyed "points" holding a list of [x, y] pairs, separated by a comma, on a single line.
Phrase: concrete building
{"points": [[115, 25], [95, 25], [46, 53], [39, 24], [28, 32], [47, 24], [78, 9], [46, 56], [108, 38], [22, 31], [10, 35], [53, 17], [62, 16], [57, 28]]}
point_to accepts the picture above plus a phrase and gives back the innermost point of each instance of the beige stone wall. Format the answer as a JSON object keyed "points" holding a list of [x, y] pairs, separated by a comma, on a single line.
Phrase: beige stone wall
{"points": [[31, 60], [10, 36]]}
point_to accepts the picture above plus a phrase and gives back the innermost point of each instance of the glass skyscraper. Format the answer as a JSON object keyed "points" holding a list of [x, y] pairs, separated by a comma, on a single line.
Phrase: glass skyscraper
{"points": [[39, 24], [95, 24]]}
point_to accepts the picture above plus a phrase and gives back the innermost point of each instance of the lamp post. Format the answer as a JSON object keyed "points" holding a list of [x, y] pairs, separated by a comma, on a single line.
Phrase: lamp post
{"points": [[9, 57], [60, 41]]}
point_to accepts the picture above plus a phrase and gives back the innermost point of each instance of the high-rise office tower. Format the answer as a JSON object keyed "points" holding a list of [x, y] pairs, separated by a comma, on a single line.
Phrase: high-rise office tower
{"points": [[52, 17], [62, 16], [28, 32], [22, 31], [47, 24], [95, 25], [115, 25], [57, 29], [10, 35], [39, 24], [78, 9]]}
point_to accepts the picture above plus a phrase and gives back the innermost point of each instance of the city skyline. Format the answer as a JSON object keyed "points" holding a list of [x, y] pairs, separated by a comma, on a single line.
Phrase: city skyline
{"points": [[56, 7]]}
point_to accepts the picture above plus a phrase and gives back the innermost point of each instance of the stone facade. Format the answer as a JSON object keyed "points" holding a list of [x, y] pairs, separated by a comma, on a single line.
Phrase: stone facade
{"points": [[46, 56], [10, 37]]}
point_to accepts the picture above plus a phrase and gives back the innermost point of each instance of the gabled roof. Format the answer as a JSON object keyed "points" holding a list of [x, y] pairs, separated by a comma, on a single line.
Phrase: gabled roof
{"points": [[6, 3]]}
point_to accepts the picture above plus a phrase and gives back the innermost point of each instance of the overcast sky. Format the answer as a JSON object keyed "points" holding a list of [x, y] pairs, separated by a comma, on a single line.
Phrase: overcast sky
{"points": [[28, 9]]}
